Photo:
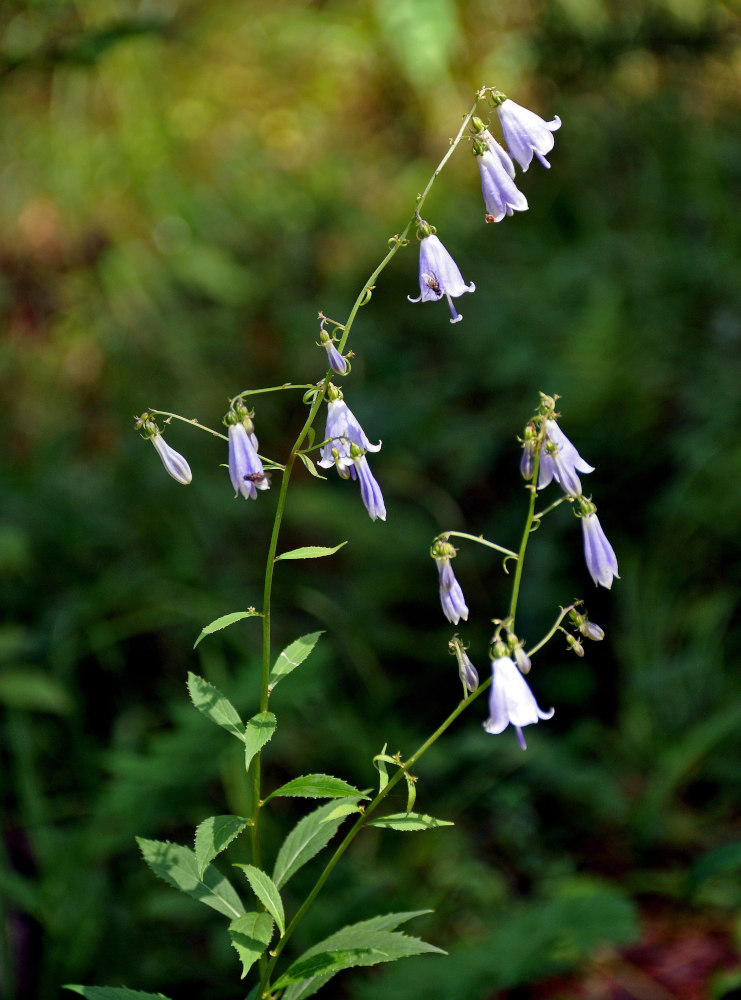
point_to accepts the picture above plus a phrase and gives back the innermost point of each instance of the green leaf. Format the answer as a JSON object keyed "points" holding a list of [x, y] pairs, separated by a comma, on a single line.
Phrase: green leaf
{"points": [[250, 936], [291, 657], [265, 890], [345, 808], [316, 786], [305, 840], [258, 731], [178, 866], [219, 623], [388, 922], [112, 993], [367, 943], [213, 835], [310, 552], [720, 861], [408, 821], [309, 463], [215, 706]]}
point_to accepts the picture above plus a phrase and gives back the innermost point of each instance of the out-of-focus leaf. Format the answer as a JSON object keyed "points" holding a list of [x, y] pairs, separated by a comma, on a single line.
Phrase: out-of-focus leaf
{"points": [[34, 691]]}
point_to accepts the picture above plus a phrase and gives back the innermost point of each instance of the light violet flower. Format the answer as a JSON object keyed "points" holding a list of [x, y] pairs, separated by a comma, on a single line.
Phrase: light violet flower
{"points": [[336, 361], [598, 553], [439, 275], [346, 449], [560, 460], [245, 468], [370, 491], [526, 133], [501, 195], [451, 596], [172, 460], [511, 700], [468, 674]]}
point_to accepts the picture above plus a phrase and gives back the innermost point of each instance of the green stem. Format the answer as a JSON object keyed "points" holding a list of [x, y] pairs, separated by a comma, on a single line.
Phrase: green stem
{"points": [[188, 420], [549, 635], [272, 388], [357, 827], [533, 487], [481, 540]]}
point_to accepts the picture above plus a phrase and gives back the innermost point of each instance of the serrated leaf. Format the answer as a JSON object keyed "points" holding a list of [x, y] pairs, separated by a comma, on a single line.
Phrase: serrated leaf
{"points": [[327, 963], [386, 922], [343, 809], [292, 657], [215, 706], [177, 865], [224, 621], [305, 840], [309, 463], [409, 821], [250, 936], [366, 943], [266, 891], [258, 731], [112, 993], [315, 786], [213, 835], [310, 552]]}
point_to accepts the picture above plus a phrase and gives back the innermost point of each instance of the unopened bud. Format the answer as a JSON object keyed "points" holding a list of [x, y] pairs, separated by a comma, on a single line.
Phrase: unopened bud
{"points": [[575, 645], [522, 659], [172, 460]]}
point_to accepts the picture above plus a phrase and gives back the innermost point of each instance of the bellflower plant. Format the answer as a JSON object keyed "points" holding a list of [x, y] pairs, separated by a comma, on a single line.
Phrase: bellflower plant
{"points": [[258, 926], [438, 273]]}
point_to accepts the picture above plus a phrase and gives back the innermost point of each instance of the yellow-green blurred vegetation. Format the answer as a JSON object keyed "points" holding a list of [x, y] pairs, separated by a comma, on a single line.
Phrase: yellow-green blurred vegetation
{"points": [[184, 184]]}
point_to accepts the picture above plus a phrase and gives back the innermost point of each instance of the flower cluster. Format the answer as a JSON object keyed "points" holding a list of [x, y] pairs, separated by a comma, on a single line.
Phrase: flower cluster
{"points": [[545, 446], [345, 448], [525, 134]]}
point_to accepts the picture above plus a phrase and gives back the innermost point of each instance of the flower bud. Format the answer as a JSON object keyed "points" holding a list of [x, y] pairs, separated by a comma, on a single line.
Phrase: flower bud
{"points": [[522, 659], [172, 460], [592, 631], [575, 645], [466, 671]]}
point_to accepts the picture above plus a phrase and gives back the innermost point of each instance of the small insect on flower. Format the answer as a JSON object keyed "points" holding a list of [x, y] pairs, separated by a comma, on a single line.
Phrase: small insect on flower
{"points": [[257, 477], [431, 281]]}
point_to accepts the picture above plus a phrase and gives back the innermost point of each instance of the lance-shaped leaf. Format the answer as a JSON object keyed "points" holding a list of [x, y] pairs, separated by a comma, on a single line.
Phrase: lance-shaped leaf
{"points": [[266, 891], [367, 943], [305, 840], [409, 821], [112, 993], [308, 462], [178, 866], [291, 657], [250, 936], [215, 706], [387, 922], [224, 621], [310, 551], [316, 786], [258, 731], [213, 835]]}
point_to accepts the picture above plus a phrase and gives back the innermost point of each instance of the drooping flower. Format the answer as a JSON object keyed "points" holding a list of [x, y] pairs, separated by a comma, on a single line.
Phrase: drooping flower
{"points": [[346, 448], [511, 700], [370, 491], [501, 194], [468, 674], [439, 275], [560, 460], [451, 596], [245, 468], [172, 460], [526, 133], [598, 553], [336, 361]]}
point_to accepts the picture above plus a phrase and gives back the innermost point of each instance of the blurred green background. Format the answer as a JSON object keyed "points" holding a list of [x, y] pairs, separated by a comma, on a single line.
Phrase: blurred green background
{"points": [[185, 183]]}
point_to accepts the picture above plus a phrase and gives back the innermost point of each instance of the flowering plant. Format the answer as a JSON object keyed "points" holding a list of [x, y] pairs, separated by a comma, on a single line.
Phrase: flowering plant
{"points": [[259, 929]]}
